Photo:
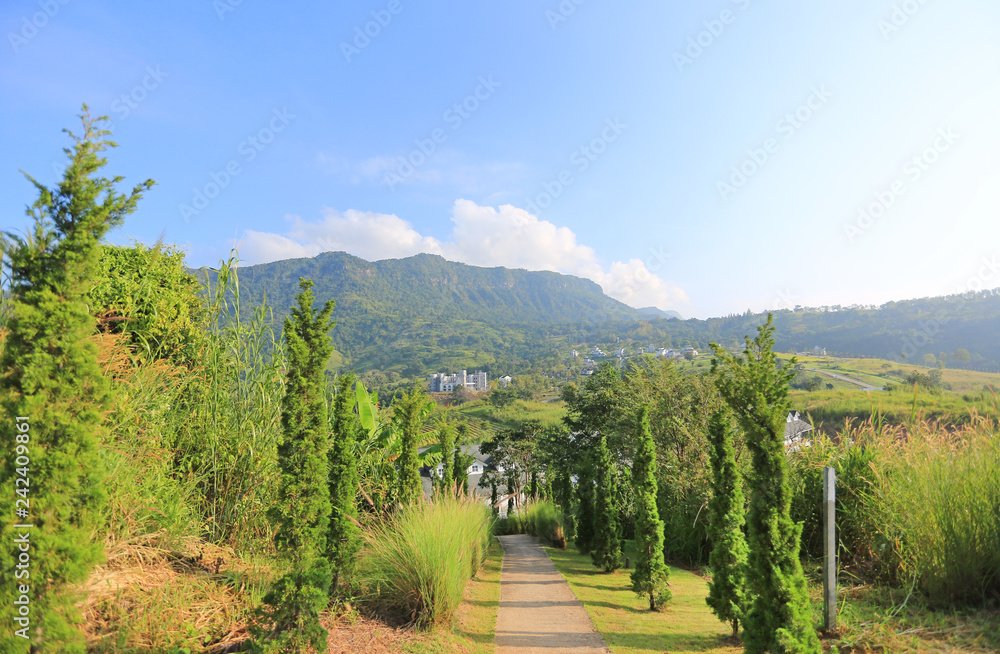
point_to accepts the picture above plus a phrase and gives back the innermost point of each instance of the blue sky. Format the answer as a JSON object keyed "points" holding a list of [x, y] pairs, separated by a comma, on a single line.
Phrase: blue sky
{"points": [[706, 157]]}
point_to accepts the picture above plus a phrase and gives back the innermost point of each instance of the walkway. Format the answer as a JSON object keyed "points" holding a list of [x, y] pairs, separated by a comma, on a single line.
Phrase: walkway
{"points": [[538, 611]]}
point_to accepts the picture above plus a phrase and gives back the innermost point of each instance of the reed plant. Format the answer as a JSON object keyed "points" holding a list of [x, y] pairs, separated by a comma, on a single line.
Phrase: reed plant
{"points": [[419, 561], [941, 494]]}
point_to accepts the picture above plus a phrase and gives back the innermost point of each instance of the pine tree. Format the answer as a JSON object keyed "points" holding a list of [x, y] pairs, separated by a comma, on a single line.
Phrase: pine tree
{"points": [[564, 498], [651, 573], [462, 461], [446, 436], [607, 545], [756, 389], [344, 537], [728, 559], [55, 399], [289, 617], [409, 412], [585, 506]]}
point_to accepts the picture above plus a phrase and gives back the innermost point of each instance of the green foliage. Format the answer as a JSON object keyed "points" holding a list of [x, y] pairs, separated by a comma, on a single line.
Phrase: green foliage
{"points": [[649, 579], [344, 537], [147, 294], [446, 432], [585, 506], [289, 619], [756, 390], [563, 494], [679, 409], [607, 545], [461, 461], [55, 398], [728, 560], [420, 560], [225, 418], [409, 412], [540, 519]]}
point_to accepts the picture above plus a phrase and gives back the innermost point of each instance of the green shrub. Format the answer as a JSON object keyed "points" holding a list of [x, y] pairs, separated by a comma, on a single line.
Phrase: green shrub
{"points": [[941, 497], [541, 519], [419, 561]]}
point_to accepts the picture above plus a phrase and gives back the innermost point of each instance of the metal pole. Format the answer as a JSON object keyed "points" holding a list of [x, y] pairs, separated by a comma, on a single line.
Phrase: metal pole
{"points": [[829, 548]]}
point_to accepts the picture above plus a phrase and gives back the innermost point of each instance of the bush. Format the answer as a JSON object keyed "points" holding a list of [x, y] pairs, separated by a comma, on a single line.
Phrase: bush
{"points": [[419, 561], [941, 496], [541, 519]]}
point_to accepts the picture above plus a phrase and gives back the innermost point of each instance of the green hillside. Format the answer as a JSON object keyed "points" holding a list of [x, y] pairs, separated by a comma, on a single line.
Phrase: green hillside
{"points": [[408, 317]]}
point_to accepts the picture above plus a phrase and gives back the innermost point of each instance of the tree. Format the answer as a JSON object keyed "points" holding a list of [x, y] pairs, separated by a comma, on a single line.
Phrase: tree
{"points": [[728, 560], [607, 549], [55, 398], [409, 412], [962, 355], [343, 537], [302, 511], [756, 390], [446, 434], [461, 461], [585, 506], [649, 579], [147, 294]]}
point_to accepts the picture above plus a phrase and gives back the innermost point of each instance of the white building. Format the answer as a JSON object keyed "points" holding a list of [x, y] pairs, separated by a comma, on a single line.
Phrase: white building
{"points": [[505, 381], [442, 383]]}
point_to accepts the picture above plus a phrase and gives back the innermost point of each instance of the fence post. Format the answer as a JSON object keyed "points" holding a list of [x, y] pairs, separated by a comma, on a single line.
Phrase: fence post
{"points": [[829, 548]]}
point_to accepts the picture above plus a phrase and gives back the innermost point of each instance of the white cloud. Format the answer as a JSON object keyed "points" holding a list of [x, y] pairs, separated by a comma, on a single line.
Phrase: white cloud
{"points": [[482, 236]]}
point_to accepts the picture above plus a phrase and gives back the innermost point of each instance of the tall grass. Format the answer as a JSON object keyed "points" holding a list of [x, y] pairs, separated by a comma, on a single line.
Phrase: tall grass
{"points": [[942, 495], [916, 504], [541, 519], [419, 561]]}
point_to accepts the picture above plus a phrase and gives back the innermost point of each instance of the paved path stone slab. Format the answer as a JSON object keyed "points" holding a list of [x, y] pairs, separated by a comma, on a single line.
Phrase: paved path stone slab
{"points": [[539, 614]]}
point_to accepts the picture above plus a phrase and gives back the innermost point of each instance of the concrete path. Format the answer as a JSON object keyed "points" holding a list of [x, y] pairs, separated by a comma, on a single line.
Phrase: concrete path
{"points": [[538, 611]]}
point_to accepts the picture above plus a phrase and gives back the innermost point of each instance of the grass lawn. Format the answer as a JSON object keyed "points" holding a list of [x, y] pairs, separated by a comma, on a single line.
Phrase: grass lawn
{"points": [[624, 619], [473, 630]]}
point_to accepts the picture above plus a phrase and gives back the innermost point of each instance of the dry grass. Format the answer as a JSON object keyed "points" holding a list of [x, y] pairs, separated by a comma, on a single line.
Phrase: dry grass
{"points": [[147, 598]]}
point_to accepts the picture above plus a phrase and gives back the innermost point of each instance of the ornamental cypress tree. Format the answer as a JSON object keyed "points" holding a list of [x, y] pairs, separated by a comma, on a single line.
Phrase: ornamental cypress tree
{"points": [[343, 538], [302, 512], [55, 399], [446, 436], [728, 559], [756, 389], [408, 413], [651, 573], [462, 461], [585, 506], [607, 545], [564, 497]]}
